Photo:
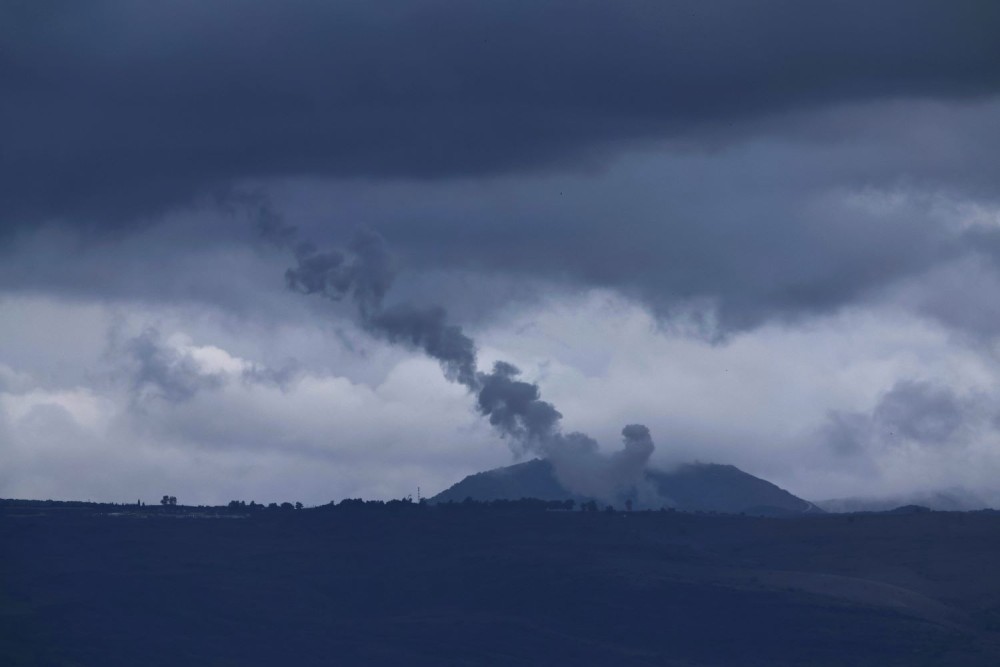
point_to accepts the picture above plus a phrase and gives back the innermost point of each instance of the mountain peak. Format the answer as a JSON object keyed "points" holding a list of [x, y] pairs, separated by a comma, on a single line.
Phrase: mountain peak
{"points": [[707, 487]]}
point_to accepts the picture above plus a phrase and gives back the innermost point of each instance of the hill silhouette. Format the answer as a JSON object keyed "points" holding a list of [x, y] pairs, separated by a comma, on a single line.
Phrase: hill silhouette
{"points": [[949, 500], [704, 487]]}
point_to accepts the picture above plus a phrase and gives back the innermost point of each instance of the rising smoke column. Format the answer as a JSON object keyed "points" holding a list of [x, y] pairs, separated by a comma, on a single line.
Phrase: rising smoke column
{"points": [[365, 272], [515, 407], [580, 466]]}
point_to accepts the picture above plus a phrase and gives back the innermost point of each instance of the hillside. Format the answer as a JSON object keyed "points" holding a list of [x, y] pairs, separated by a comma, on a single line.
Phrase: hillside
{"points": [[470, 584], [704, 487]]}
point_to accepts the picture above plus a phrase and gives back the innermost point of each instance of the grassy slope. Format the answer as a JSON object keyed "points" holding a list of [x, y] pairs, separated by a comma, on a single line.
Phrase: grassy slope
{"points": [[452, 586]]}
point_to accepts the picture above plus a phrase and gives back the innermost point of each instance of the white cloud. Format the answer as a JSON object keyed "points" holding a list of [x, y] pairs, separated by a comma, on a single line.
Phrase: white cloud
{"points": [[758, 399], [359, 418], [318, 437]]}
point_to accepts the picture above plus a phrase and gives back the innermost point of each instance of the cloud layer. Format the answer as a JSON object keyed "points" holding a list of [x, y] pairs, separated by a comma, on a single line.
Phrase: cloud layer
{"points": [[115, 110]]}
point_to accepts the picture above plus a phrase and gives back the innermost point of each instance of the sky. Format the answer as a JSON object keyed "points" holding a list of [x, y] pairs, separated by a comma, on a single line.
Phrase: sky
{"points": [[769, 232]]}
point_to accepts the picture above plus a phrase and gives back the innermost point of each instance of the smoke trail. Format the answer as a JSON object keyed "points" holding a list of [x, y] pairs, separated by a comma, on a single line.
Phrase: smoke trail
{"points": [[427, 329], [580, 466], [515, 408], [364, 273]]}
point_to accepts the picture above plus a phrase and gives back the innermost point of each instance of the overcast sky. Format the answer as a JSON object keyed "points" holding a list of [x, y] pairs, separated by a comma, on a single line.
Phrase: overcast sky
{"points": [[768, 231]]}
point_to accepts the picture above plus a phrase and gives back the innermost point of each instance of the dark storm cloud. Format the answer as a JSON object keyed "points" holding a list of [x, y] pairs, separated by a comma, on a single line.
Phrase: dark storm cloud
{"points": [[961, 293], [755, 234], [434, 122], [921, 412], [911, 412], [112, 110]]}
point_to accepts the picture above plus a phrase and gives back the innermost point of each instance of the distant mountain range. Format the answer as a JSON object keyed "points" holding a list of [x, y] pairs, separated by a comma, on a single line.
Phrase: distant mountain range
{"points": [[951, 500], [705, 487]]}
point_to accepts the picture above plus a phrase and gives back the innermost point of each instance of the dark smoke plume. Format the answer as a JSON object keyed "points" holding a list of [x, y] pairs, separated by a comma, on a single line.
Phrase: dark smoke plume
{"points": [[365, 272], [580, 466], [515, 407], [427, 329]]}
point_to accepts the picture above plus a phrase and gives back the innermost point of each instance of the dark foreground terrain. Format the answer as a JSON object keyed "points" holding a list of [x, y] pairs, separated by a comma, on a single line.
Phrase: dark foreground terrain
{"points": [[450, 585]]}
